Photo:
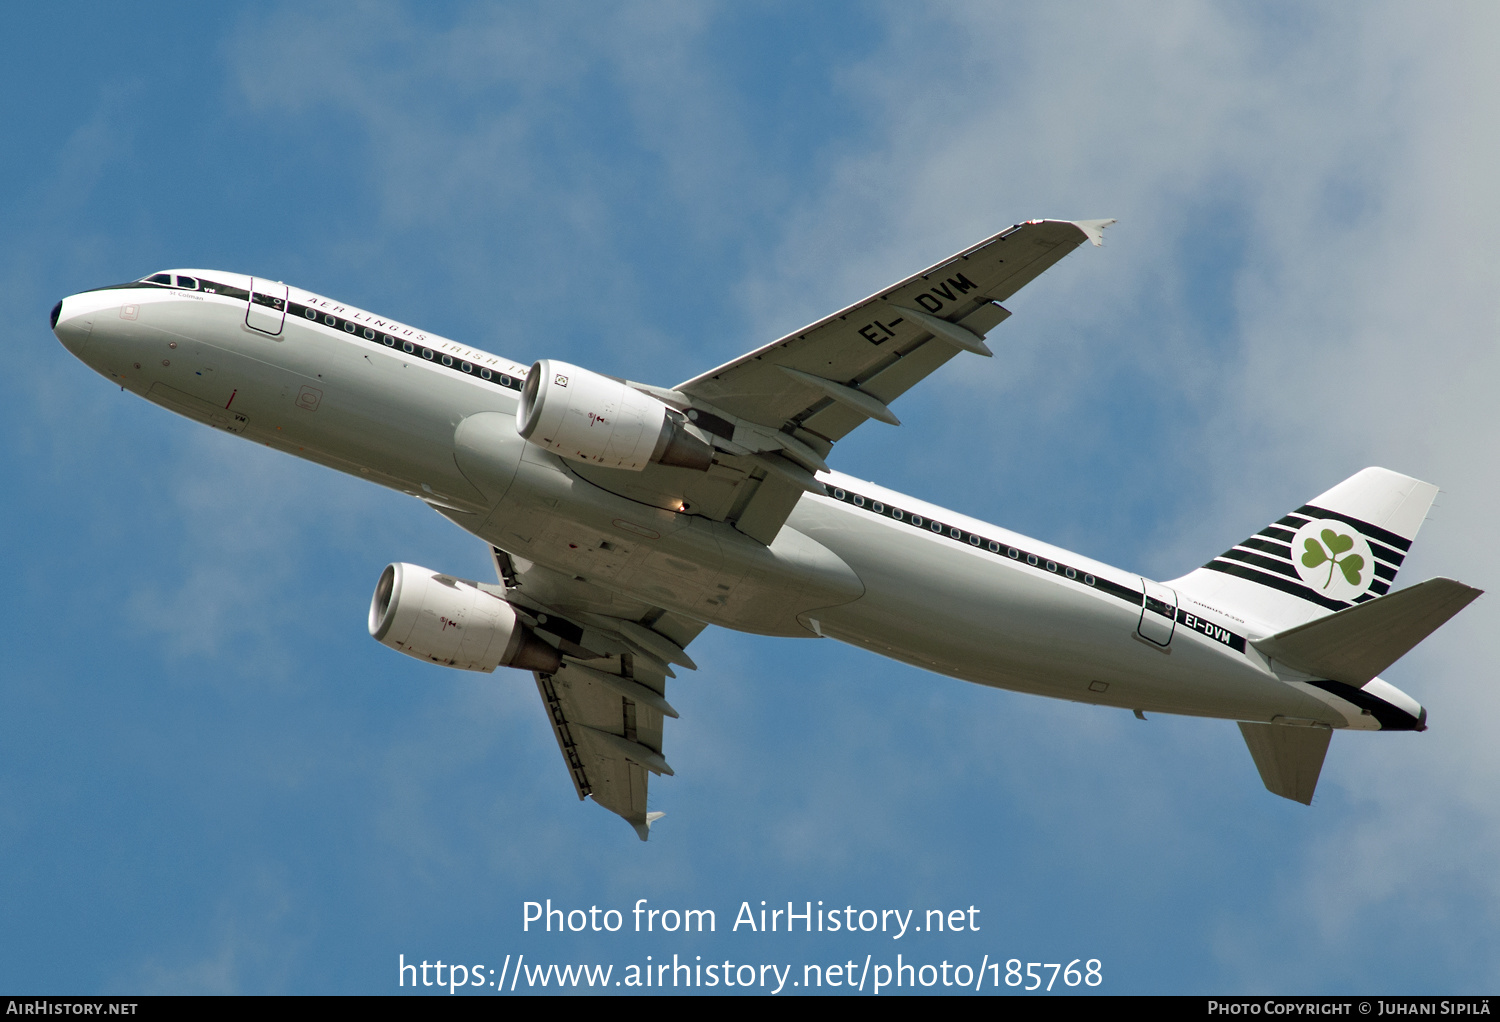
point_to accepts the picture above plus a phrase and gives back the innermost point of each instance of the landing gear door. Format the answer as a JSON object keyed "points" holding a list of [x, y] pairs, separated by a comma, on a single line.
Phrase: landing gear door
{"points": [[267, 309], [1158, 613]]}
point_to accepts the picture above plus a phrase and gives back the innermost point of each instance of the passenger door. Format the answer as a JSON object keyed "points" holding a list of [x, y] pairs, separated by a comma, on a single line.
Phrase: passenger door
{"points": [[267, 309], [1158, 613]]}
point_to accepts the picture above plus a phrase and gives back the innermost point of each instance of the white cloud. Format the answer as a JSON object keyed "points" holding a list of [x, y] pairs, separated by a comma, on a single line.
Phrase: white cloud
{"points": [[1347, 157], [1330, 171], [1301, 283]]}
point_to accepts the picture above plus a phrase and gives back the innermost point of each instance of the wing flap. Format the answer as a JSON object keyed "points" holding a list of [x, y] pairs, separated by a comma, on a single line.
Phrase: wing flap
{"points": [[796, 396], [609, 740], [607, 703], [768, 507]]}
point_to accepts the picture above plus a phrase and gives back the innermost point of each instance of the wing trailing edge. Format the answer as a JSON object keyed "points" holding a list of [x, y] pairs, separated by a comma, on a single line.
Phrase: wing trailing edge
{"points": [[606, 703]]}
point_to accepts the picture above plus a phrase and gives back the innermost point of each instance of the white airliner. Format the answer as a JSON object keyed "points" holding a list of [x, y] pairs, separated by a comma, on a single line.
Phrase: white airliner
{"points": [[623, 518]]}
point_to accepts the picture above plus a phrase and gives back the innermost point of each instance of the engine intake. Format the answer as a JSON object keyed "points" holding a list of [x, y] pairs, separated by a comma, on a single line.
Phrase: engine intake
{"points": [[592, 418], [450, 621]]}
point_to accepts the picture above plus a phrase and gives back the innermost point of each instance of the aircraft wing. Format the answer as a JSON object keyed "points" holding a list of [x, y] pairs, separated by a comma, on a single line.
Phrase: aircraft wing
{"points": [[773, 415], [607, 704], [818, 383]]}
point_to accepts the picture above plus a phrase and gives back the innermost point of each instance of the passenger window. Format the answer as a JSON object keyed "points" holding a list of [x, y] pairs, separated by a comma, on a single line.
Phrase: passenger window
{"points": [[447, 360], [484, 373]]}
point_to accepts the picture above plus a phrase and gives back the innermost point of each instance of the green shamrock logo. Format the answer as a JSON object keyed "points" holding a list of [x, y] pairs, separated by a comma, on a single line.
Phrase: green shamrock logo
{"points": [[1337, 547]]}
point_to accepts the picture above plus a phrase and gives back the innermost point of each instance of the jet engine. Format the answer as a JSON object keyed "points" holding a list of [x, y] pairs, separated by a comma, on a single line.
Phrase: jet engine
{"points": [[588, 417], [449, 621]]}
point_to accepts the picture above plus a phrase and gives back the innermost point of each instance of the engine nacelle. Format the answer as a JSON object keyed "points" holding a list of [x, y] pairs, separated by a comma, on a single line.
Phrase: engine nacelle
{"points": [[449, 621], [588, 417]]}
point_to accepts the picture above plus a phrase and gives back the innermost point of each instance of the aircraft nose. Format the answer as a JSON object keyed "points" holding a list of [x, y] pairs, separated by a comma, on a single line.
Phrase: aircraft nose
{"points": [[71, 326]]}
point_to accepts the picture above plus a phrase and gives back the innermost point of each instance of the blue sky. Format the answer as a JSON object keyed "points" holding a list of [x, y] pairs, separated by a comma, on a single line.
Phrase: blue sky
{"points": [[212, 780]]}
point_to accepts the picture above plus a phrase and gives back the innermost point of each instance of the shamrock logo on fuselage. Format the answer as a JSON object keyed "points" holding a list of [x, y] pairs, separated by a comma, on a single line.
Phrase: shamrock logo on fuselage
{"points": [[1337, 555]]}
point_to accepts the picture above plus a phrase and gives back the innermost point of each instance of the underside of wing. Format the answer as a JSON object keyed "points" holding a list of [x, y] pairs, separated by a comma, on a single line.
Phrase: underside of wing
{"points": [[607, 702], [772, 416], [822, 381]]}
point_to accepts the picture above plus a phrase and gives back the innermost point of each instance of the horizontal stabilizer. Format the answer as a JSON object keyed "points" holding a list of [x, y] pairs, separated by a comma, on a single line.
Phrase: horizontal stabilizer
{"points": [[1289, 758], [1354, 645]]}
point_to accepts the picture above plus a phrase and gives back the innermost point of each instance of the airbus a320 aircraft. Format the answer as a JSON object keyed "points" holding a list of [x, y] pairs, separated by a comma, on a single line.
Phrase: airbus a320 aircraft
{"points": [[624, 518]]}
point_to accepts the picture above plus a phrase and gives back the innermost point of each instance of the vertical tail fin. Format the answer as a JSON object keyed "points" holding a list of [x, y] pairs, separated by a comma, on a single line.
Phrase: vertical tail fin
{"points": [[1342, 548]]}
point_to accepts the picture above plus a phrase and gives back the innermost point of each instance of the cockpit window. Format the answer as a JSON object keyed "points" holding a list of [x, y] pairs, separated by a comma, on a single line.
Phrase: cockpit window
{"points": [[160, 278], [187, 283]]}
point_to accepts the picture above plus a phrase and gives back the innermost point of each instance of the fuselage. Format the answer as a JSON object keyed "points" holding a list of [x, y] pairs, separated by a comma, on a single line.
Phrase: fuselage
{"points": [[435, 419]]}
